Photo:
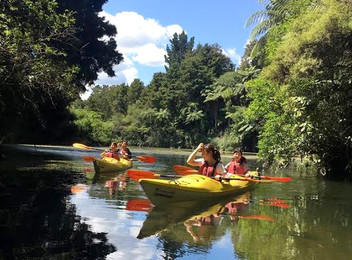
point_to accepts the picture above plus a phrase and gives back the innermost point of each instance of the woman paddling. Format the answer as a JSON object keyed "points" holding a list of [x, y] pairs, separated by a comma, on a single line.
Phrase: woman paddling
{"points": [[210, 164]]}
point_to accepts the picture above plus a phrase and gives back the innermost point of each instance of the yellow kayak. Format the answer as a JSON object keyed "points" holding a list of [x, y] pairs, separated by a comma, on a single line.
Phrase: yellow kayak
{"points": [[193, 187], [108, 164]]}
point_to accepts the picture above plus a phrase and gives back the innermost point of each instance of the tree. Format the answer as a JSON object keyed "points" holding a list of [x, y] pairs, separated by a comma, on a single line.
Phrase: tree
{"points": [[134, 91], [93, 48], [180, 47], [308, 110], [48, 52], [108, 100], [34, 74]]}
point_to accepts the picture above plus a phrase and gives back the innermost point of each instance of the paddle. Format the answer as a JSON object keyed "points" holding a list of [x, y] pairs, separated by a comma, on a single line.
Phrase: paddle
{"points": [[146, 205], [275, 203], [83, 146], [181, 168], [146, 158], [140, 174], [139, 205], [88, 158], [143, 158]]}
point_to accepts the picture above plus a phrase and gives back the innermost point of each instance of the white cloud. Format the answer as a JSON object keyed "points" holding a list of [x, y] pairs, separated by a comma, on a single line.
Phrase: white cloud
{"points": [[150, 55], [125, 72], [141, 40], [233, 55]]}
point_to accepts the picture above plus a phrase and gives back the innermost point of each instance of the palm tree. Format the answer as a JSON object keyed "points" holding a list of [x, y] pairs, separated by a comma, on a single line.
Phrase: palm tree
{"points": [[276, 12]]}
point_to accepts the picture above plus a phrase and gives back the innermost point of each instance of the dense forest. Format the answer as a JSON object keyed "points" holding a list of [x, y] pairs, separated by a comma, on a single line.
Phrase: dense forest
{"points": [[290, 97]]}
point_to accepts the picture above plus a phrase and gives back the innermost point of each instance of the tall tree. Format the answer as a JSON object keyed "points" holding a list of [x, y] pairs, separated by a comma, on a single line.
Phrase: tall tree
{"points": [[134, 91], [94, 48], [180, 47]]}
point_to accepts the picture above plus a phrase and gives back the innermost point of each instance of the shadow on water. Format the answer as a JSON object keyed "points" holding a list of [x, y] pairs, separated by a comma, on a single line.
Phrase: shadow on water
{"points": [[36, 218]]}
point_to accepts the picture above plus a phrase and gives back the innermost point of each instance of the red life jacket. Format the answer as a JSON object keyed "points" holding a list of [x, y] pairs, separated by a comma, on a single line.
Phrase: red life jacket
{"points": [[207, 170], [114, 155], [236, 168]]}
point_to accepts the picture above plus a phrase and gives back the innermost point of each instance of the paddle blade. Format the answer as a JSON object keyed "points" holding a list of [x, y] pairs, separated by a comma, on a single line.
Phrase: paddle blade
{"points": [[139, 174], [281, 179], [139, 205], [184, 170], [81, 146], [146, 158], [88, 158]]}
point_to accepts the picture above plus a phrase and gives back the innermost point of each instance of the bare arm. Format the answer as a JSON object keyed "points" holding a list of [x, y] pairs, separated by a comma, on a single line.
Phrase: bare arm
{"points": [[192, 156], [103, 154]]}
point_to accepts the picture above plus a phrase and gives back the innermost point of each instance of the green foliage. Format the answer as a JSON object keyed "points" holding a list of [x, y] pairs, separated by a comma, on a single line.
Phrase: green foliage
{"points": [[235, 135], [108, 100], [171, 110], [34, 74], [302, 100], [277, 12], [93, 48], [45, 63], [134, 91], [91, 127], [180, 47]]}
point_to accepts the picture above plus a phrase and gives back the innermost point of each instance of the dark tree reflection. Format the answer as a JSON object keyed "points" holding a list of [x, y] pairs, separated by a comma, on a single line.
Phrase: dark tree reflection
{"points": [[38, 221]]}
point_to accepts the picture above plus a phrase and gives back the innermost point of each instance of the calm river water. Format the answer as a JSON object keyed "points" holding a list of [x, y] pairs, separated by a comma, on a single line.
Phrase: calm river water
{"points": [[49, 209]]}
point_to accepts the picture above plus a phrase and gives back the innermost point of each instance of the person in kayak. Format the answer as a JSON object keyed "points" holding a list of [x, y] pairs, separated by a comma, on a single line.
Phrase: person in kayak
{"points": [[112, 152], [125, 152], [238, 165], [210, 165]]}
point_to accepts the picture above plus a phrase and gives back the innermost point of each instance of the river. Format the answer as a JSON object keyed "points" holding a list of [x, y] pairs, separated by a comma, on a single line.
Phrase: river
{"points": [[51, 207]]}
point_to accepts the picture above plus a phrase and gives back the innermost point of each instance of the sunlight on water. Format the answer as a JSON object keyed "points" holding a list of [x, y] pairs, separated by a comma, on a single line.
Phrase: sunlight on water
{"points": [[305, 218]]}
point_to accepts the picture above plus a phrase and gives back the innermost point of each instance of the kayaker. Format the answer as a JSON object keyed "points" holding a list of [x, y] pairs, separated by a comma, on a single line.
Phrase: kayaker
{"points": [[113, 152], [238, 165], [125, 152], [210, 165]]}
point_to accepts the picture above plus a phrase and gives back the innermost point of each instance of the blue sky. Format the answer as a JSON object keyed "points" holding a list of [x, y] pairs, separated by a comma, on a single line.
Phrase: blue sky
{"points": [[145, 26]]}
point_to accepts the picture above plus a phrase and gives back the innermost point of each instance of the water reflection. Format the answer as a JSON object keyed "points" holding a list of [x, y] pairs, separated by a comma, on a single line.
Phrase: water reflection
{"points": [[49, 208], [200, 218], [117, 183], [36, 219]]}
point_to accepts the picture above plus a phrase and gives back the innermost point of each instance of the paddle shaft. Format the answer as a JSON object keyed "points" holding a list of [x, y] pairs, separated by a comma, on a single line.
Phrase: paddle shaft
{"points": [[179, 169]]}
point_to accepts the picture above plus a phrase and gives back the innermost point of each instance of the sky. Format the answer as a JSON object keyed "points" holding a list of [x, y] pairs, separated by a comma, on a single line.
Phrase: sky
{"points": [[144, 28]]}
